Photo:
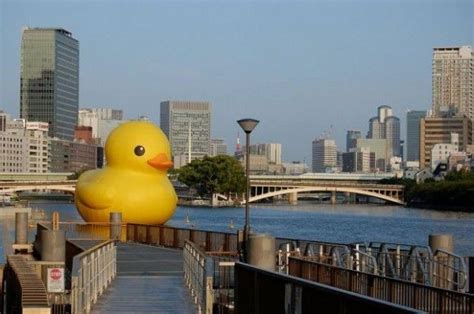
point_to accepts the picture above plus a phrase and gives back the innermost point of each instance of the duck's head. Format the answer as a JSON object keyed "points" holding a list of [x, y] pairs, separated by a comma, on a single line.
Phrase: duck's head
{"points": [[138, 146]]}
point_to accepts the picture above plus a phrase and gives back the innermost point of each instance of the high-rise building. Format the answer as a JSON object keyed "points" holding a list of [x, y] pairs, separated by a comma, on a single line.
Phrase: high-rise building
{"points": [[453, 80], [434, 130], [386, 126], [49, 88], [324, 155], [351, 137], [218, 147], [187, 124], [413, 134]]}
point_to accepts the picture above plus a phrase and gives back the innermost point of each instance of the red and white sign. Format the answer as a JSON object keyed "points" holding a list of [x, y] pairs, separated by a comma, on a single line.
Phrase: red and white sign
{"points": [[56, 279]]}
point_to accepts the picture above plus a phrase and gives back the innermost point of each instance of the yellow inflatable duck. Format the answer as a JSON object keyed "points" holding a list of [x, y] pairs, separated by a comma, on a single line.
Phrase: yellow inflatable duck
{"points": [[134, 181]]}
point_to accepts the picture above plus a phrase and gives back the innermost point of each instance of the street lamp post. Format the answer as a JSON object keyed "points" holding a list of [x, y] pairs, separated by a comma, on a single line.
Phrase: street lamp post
{"points": [[247, 125]]}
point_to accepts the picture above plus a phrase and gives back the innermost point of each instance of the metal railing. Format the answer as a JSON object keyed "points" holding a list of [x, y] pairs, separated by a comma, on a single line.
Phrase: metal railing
{"points": [[92, 271], [24, 288], [198, 277], [175, 237], [415, 295], [262, 291]]}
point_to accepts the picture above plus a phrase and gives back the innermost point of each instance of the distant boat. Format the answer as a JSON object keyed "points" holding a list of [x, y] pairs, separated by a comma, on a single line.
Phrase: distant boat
{"points": [[186, 219], [231, 225]]}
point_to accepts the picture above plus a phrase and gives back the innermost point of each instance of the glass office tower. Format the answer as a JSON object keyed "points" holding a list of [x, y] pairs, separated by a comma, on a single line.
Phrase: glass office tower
{"points": [[50, 79]]}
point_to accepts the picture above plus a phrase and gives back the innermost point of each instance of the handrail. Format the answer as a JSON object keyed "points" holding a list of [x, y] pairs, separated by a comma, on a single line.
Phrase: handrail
{"points": [[24, 288], [92, 271], [412, 294], [258, 290], [198, 276]]}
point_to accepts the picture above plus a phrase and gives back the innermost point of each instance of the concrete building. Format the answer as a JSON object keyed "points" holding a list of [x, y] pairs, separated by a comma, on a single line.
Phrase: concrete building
{"points": [[83, 134], [258, 163], [413, 134], [386, 126], [295, 168], [101, 120], [24, 147], [218, 147], [453, 80], [380, 149], [324, 155], [271, 150], [435, 130], [70, 156], [187, 124], [358, 160], [49, 89], [351, 137]]}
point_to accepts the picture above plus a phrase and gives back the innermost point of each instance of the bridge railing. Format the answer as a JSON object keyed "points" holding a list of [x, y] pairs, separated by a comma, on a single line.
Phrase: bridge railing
{"points": [[411, 294], [92, 272], [87, 230]]}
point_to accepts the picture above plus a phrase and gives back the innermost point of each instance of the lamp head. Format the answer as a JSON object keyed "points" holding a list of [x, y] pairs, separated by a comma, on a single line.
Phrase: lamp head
{"points": [[248, 124]]}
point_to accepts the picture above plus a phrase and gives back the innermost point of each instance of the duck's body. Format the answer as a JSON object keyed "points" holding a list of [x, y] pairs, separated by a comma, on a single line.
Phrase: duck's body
{"points": [[135, 182]]}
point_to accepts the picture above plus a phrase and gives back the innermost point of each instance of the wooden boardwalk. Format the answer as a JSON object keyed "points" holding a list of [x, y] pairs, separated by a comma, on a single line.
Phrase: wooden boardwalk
{"points": [[149, 280]]}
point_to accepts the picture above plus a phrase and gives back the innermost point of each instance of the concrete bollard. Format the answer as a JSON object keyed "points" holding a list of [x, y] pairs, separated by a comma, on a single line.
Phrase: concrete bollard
{"points": [[53, 245], [115, 220], [443, 242], [21, 228], [261, 251]]}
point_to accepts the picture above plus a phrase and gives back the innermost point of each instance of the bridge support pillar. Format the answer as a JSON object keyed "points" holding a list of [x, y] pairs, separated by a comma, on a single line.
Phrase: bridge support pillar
{"points": [[333, 198], [293, 198], [347, 196], [115, 220], [21, 228]]}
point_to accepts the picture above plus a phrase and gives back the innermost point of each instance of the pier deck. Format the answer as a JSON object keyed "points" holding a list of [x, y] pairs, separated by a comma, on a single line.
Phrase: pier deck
{"points": [[149, 280]]}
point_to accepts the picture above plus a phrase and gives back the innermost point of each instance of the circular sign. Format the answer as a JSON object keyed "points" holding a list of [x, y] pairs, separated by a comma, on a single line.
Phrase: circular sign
{"points": [[55, 274]]}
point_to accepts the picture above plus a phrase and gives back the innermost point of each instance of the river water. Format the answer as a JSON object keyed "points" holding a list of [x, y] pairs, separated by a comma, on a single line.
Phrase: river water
{"points": [[323, 222]]}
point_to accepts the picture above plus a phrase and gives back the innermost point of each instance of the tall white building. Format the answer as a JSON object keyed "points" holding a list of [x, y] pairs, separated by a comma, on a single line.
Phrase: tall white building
{"points": [[187, 124], [453, 79], [324, 155]]}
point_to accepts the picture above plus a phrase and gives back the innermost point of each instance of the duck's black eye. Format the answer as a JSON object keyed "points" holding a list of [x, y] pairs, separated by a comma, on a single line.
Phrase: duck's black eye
{"points": [[139, 150]]}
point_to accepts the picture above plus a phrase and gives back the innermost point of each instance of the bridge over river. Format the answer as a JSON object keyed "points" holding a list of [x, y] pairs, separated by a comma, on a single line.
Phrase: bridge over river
{"points": [[264, 187]]}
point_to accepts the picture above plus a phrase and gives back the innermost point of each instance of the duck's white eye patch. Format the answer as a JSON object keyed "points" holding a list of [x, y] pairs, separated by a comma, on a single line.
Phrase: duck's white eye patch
{"points": [[139, 150]]}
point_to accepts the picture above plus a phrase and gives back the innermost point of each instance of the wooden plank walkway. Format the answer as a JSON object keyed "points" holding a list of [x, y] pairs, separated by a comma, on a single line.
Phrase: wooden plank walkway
{"points": [[149, 280]]}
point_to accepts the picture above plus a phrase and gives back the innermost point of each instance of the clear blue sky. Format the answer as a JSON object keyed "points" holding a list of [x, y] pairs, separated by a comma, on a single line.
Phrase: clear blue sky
{"points": [[299, 67]]}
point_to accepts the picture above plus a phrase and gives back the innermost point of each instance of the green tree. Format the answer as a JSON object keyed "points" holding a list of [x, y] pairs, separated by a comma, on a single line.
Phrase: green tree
{"points": [[220, 174]]}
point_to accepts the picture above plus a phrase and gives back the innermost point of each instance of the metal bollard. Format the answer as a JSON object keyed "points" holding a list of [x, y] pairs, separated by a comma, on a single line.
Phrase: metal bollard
{"points": [[21, 228], [115, 219]]}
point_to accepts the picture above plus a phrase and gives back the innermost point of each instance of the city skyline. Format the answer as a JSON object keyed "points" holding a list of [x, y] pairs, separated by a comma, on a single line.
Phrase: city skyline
{"points": [[286, 98]]}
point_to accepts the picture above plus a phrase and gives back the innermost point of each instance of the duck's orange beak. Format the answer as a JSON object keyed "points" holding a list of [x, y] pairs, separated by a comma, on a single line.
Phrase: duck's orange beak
{"points": [[160, 161]]}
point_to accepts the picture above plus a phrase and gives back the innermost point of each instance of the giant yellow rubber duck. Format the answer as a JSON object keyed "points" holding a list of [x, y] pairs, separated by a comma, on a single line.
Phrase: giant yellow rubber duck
{"points": [[134, 182]]}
